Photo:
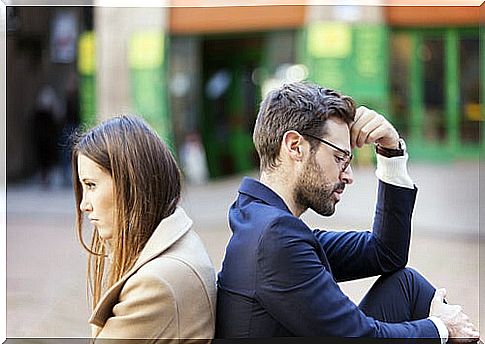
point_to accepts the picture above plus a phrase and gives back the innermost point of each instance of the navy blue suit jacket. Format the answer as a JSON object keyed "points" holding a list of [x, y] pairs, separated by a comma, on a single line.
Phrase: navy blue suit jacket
{"points": [[279, 278]]}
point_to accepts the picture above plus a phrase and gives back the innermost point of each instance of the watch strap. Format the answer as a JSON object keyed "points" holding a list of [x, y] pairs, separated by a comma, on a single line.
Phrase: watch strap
{"points": [[390, 152]]}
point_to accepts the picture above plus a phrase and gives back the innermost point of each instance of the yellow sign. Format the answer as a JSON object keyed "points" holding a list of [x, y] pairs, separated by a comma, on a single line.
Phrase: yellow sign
{"points": [[146, 50], [86, 62], [472, 111], [329, 39]]}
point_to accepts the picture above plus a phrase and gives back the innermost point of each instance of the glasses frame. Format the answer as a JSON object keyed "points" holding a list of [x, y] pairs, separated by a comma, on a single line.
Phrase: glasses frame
{"points": [[347, 154]]}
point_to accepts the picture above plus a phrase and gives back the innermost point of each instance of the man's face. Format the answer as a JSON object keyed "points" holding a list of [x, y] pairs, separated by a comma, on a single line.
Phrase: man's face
{"points": [[322, 181]]}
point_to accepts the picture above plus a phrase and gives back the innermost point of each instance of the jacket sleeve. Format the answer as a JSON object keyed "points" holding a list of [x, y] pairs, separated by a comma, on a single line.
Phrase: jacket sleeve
{"points": [[296, 289], [146, 308], [355, 255]]}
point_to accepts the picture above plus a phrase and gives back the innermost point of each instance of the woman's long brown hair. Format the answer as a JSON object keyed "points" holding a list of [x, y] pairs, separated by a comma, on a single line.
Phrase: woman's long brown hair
{"points": [[146, 182]]}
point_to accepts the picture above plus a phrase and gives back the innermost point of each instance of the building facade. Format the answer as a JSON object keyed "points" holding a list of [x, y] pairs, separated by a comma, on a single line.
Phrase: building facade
{"points": [[199, 73]]}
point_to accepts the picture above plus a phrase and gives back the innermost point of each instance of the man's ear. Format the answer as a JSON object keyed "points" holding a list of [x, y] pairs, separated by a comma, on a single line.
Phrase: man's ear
{"points": [[292, 145]]}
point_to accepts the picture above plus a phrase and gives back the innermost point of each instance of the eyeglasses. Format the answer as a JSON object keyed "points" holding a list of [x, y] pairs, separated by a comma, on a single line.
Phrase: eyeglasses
{"points": [[344, 162]]}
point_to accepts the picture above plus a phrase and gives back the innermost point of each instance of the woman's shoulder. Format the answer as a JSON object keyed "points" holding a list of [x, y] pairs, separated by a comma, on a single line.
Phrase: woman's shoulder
{"points": [[190, 246], [175, 244], [190, 281], [185, 260], [167, 288]]}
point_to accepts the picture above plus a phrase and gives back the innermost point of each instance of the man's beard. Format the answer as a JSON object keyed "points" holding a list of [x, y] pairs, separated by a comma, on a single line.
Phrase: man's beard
{"points": [[314, 191]]}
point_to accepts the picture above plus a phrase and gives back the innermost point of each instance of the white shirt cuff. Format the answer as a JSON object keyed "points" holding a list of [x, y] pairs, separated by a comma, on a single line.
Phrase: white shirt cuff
{"points": [[442, 330], [394, 171]]}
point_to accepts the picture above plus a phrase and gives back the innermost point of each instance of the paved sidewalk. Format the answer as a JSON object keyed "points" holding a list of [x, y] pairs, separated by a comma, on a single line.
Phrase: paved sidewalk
{"points": [[46, 294]]}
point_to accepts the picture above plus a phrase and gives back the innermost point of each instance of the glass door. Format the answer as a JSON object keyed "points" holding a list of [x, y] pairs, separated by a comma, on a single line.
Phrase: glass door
{"points": [[230, 98], [469, 102], [435, 91], [431, 55]]}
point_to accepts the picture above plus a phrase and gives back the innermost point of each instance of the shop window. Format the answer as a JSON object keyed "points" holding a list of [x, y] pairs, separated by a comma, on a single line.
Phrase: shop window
{"points": [[400, 71], [432, 56], [470, 115]]}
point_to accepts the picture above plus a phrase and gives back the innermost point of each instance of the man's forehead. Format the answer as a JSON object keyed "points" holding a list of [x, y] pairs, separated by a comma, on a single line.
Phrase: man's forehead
{"points": [[338, 131]]}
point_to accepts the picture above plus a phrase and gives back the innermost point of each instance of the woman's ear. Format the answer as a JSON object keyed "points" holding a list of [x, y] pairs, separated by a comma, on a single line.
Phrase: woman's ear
{"points": [[292, 145]]}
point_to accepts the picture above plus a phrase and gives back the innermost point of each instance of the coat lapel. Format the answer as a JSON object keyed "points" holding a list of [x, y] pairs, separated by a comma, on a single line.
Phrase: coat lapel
{"points": [[169, 231]]}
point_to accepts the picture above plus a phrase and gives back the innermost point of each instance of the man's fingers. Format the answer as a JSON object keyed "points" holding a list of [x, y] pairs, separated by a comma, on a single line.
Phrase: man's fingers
{"points": [[464, 330], [469, 325], [377, 134], [466, 335], [365, 132], [458, 308], [365, 117], [361, 135], [474, 334], [461, 329], [369, 127], [359, 112]]}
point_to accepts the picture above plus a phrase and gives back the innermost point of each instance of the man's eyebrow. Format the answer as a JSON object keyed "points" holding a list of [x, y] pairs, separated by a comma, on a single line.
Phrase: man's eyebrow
{"points": [[342, 150]]}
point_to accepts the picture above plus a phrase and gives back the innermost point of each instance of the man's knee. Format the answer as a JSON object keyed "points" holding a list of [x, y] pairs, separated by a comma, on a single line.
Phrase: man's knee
{"points": [[408, 273], [415, 275], [408, 278], [411, 273], [414, 282]]}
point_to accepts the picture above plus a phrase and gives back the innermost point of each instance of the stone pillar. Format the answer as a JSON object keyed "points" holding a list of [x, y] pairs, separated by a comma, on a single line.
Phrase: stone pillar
{"points": [[114, 28]]}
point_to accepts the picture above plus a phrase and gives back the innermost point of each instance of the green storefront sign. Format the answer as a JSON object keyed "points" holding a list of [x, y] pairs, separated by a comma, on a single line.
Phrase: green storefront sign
{"points": [[351, 58], [87, 78]]}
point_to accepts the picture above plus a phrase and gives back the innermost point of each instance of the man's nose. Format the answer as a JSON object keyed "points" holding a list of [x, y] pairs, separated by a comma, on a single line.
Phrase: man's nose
{"points": [[347, 176]]}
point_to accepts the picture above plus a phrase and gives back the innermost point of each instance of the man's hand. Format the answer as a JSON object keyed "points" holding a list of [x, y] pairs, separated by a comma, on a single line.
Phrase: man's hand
{"points": [[369, 127], [460, 329]]}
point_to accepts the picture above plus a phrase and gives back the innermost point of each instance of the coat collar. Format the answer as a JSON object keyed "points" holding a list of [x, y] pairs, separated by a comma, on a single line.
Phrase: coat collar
{"points": [[255, 189], [169, 231]]}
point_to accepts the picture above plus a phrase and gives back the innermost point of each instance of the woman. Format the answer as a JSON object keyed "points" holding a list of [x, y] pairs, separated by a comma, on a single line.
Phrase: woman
{"points": [[148, 272]]}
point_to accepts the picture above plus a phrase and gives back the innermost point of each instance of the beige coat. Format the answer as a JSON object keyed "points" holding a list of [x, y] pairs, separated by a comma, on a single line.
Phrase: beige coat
{"points": [[169, 293]]}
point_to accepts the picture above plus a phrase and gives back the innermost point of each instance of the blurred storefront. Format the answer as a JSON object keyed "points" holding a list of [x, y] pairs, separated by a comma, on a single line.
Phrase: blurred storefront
{"points": [[42, 76], [198, 73], [436, 80], [418, 65], [221, 60]]}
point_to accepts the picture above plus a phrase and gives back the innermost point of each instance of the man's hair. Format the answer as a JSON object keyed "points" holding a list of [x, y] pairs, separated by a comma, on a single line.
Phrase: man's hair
{"points": [[303, 107]]}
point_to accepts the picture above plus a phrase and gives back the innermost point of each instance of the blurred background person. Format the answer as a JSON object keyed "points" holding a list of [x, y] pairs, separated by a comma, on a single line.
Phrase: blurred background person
{"points": [[193, 159], [69, 124], [45, 133]]}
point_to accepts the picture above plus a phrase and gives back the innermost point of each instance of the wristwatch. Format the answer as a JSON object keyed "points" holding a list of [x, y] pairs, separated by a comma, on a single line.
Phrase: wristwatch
{"points": [[389, 152]]}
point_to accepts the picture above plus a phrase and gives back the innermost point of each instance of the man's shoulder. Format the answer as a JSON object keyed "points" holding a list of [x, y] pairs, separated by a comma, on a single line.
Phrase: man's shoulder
{"points": [[264, 216], [269, 225]]}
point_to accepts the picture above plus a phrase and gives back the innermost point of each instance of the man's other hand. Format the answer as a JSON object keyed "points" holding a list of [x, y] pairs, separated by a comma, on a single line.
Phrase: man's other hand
{"points": [[371, 127], [460, 329]]}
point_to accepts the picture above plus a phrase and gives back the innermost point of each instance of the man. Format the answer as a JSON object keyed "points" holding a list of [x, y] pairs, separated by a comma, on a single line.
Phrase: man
{"points": [[279, 278]]}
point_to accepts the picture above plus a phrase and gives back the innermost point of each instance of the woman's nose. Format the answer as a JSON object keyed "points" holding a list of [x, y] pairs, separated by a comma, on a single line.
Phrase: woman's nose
{"points": [[85, 205]]}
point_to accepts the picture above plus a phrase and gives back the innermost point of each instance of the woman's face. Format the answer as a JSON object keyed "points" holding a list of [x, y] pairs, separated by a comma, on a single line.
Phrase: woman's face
{"points": [[97, 201]]}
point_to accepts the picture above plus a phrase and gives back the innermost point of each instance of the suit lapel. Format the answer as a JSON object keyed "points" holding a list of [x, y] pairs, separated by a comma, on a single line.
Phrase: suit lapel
{"points": [[169, 231]]}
